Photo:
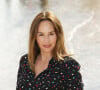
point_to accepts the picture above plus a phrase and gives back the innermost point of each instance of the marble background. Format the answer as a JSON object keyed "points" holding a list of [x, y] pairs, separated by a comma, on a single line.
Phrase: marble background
{"points": [[81, 23]]}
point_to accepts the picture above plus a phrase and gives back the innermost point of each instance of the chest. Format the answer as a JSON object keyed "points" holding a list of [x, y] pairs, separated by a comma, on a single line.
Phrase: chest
{"points": [[39, 68], [52, 77]]}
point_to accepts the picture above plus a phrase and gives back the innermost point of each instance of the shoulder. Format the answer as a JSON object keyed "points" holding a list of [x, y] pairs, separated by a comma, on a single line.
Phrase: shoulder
{"points": [[23, 58], [71, 63], [72, 75], [25, 55]]}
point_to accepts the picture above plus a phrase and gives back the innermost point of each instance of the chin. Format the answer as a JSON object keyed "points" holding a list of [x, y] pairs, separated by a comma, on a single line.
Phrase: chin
{"points": [[47, 50]]}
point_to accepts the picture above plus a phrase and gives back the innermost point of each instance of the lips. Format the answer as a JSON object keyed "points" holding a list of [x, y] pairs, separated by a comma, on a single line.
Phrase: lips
{"points": [[47, 46]]}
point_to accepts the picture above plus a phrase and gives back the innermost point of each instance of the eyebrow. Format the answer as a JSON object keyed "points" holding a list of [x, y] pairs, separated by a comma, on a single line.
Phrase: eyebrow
{"points": [[42, 32]]}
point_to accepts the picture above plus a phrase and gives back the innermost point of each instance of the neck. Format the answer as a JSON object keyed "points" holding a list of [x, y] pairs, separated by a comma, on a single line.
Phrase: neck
{"points": [[45, 57]]}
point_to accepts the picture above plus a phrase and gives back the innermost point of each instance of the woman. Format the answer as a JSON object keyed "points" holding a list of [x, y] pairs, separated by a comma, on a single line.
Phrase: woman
{"points": [[48, 66]]}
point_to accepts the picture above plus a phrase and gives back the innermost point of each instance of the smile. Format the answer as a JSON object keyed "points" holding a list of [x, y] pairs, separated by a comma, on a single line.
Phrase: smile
{"points": [[46, 46]]}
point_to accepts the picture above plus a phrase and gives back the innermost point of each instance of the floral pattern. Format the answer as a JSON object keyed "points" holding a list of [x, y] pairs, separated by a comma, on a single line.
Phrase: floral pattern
{"points": [[60, 75]]}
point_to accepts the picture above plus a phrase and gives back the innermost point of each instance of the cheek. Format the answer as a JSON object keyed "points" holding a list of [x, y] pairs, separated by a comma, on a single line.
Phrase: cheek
{"points": [[39, 42], [54, 39]]}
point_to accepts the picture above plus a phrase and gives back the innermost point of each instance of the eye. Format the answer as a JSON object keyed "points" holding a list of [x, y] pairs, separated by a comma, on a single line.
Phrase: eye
{"points": [[40, 35], [51, 34]]}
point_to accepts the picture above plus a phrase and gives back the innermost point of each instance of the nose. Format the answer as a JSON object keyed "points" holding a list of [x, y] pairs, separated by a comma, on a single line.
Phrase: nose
{"points": [[46, 39]]}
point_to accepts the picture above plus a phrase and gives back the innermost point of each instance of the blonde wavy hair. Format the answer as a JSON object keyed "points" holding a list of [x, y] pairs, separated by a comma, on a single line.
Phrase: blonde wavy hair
{"points": [[59, 51]]}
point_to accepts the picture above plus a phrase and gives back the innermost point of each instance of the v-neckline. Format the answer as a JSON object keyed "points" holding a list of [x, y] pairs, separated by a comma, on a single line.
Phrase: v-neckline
{"points": [[35, 78]]}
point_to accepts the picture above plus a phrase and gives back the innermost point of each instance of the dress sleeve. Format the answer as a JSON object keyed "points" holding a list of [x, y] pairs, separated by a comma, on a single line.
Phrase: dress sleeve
{"points": [[72, 76], [19, 83]]}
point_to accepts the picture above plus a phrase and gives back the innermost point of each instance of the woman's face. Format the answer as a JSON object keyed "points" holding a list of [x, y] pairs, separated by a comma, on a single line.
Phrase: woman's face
{"points": [[46, 36]]}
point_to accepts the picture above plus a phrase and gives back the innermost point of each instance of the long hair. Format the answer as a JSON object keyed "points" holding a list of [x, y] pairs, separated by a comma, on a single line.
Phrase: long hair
{"points": [[59, 51]]}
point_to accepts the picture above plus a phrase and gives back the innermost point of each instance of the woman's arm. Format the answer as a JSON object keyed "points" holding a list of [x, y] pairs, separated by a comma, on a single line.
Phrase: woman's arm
{"points": [[72, 75], [20, 81]]}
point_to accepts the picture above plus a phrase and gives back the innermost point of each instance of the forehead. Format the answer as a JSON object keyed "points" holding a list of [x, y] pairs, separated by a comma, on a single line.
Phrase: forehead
{"points": [[48, 32], [45, 26]]}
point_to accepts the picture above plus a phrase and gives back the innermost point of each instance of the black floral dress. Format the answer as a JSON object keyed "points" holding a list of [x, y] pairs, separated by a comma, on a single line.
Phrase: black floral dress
{"points": [[60, 75]]}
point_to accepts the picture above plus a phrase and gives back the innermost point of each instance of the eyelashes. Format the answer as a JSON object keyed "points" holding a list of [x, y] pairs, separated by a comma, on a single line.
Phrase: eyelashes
{"points": [[43, 35]]}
